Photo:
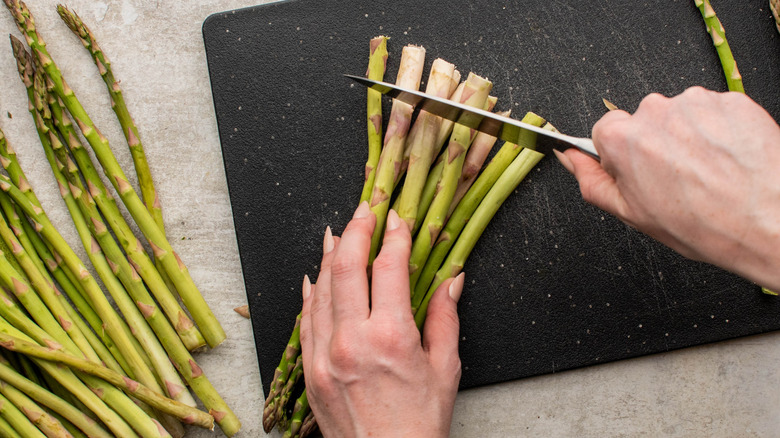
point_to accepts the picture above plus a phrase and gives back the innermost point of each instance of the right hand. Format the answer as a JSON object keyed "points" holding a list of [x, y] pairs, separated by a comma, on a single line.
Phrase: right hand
{"points": [[700, 172]]}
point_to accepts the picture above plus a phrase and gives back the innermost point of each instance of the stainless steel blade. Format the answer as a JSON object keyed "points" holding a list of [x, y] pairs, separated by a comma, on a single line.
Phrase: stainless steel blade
{"points": [[505, 128]]}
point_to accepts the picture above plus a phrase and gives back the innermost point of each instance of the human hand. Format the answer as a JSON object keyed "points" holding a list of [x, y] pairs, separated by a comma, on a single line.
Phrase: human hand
{"points": [[367, 371], [699, 172]]}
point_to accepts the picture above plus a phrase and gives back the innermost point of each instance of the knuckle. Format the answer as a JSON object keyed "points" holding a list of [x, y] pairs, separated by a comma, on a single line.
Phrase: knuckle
{"points": [[321, 379], [394, 340], [345, 265], [344, 354], [386, 261]]}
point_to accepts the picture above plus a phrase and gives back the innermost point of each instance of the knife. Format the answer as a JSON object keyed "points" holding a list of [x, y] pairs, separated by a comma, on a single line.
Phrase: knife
{"points": [[505, 128]]}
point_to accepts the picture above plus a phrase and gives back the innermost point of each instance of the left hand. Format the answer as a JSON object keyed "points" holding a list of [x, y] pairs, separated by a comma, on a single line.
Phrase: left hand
{"points": [[367, 370]]}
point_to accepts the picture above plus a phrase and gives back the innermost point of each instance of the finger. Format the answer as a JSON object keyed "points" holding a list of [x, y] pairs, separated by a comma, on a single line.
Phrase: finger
{"points": [[321, 309], [390, 273], [349, 281], [307, 341], [440, 336], [597, 186]]}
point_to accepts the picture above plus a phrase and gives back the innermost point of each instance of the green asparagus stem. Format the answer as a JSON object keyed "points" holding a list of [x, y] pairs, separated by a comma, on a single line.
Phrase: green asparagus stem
{"points": [[146, 308], [129, 129], [475, 94], [210, 328], [388, 169], [281, 375], [715, 29], [17, 420], [299, 413], [45, 422], [187, 414], [171, 342], [287, 391], [52, 402], [185, 328], [422, 143], [6, 430], [502, 188], [465, 209], [475, 158], [95, 396], [377, 63], [309, 424]]}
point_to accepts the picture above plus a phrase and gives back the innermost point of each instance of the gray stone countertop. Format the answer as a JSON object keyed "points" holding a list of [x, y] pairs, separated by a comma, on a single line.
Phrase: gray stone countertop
{"points": [[729, 389]]}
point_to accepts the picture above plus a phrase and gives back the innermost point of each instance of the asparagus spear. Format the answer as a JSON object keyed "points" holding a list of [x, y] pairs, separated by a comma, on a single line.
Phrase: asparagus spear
{"points": [[309, 424], [287, 391], [286, 365], [210, 328], [465, 209], [421, 143], [377, 63], [715, 29], [388, 169], [8, 431], [188, 414], [300, 411], [503, 187], [17, 420], [129, 129], [52, 402], [45, 422], [95, 395], [475, 158], [475, 94], [141, 262], [176, 350]]}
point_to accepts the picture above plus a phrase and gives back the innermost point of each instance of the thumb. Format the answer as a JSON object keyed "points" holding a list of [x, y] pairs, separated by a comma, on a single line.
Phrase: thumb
{"points": [[442, 327], [597, 186]]}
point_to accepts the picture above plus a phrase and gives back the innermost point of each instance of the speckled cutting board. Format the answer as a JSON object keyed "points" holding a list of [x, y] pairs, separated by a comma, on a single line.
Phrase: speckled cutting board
{"points": [[554, 283]]}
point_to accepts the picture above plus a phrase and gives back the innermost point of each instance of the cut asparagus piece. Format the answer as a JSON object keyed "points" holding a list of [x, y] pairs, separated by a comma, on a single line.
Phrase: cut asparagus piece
{"points": [[504, 186], [377, 64], [465, 209], [388, 169], [715, 29], [210, 328], [422, 143], [475, 94]]}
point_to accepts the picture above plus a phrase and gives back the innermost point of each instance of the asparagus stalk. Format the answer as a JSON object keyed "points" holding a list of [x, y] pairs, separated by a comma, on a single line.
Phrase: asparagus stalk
{"points": [[187, 414], [210, 328], [95, 395], [300, 411], [185, 328], [8, 431], [17, 420], [377, 63], [309, 423], [45, 422], [465, 209], [475, 94], [715, 29], [129, 129], [146, 308], [475, 158], [287, 391], [388, 169], [503, 187], [52, 402], [286, 365], [422, 143]]}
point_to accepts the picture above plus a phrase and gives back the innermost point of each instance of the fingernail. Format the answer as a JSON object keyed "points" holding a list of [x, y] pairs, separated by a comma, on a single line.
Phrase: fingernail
{"points": [[328, 243], [456, 287], [362, 210], [565, 161], [306, 287], [393, 221]]}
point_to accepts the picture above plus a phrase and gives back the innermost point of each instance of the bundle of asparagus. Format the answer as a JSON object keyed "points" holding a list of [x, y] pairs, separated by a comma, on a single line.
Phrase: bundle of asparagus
{"points": [[446, 201], [70, 364]]}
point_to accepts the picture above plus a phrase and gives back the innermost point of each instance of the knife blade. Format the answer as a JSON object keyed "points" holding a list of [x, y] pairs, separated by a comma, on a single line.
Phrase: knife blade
{"points": [[505, 128]]}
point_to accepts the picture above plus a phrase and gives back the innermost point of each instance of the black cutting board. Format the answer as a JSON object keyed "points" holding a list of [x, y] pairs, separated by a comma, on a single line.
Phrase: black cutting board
{"points": [[554, 283]]}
